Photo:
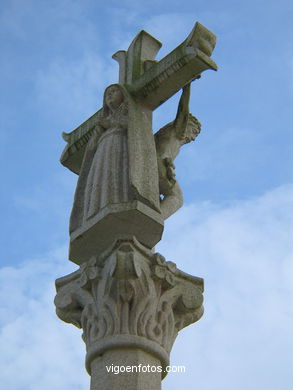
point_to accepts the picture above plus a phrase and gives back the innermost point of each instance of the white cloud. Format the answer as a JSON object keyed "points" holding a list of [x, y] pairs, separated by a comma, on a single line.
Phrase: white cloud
{"points": [[37, 350], [244, 252]]}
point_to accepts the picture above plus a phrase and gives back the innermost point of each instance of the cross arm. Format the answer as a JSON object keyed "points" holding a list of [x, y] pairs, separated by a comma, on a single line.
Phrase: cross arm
{"points": [[185, 63]]}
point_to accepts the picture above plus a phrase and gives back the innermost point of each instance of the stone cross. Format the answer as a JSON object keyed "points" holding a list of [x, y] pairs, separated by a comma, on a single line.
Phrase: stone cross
{"points": [[153, 82], [129, 301]]}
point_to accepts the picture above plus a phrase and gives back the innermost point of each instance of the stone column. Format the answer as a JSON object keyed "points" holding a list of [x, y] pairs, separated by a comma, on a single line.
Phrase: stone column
{"points": [[131, 304]]}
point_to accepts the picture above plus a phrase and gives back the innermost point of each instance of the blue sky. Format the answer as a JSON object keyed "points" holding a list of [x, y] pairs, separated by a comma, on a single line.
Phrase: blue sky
{"points": [[235, 229]]}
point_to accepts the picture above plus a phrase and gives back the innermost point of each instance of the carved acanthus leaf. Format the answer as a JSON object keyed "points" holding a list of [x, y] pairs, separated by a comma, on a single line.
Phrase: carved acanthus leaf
{"points": [[130, 293]]}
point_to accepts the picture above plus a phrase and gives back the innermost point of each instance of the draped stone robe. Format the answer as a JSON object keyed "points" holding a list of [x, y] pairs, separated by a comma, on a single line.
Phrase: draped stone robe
{"points": [[119, 163]]}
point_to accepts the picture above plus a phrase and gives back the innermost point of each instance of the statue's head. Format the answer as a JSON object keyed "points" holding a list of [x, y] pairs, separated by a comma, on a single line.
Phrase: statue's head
{"points": [[114, 96], [192, 130]]}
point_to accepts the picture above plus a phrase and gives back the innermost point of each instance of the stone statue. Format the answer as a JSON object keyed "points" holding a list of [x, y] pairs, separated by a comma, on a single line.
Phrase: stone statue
{"points": [[104, 176], [130, 302], [169, 139], [126, 183]]}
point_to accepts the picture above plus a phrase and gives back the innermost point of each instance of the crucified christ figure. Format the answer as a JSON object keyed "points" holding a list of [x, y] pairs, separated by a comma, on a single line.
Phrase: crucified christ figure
{"points": [[169, 139]]}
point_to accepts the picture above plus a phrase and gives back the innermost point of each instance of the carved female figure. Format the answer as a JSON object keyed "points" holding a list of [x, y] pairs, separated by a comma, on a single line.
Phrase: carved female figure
{"points": [[104, 176], [122, 159]]}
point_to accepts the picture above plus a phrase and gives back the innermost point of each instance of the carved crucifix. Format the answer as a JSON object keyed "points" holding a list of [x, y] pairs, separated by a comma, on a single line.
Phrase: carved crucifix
{"points": [[130, 302], [126, 175]]}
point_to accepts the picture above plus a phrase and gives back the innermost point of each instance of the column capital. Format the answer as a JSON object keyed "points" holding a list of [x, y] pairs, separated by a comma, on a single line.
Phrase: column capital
{"points": [[129, 297]]}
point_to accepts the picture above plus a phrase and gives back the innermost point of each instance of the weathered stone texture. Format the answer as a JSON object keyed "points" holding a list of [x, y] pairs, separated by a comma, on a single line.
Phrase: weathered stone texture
{"points": [[129, 301]]}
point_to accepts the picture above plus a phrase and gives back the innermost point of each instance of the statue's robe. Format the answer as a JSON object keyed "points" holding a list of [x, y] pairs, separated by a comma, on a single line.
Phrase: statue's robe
{"points": [[140, 166]]}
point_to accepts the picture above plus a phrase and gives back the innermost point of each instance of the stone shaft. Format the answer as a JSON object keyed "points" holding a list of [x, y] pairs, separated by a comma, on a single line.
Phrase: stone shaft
{"points": [[133, 360]]}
